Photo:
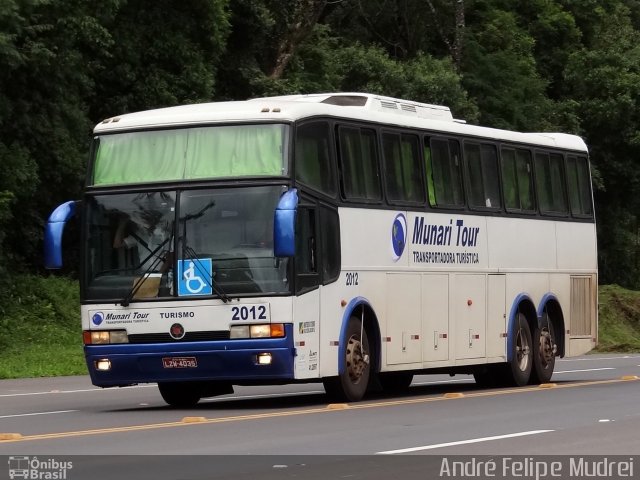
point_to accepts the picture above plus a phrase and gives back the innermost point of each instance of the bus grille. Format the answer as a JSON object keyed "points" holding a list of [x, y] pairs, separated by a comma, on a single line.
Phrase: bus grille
{"points": [[189, 337]]}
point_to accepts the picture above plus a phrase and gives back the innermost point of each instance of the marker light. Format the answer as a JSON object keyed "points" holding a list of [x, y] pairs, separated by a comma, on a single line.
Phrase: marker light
{"points": [[104, 364], [264, 359], [265, 330]]}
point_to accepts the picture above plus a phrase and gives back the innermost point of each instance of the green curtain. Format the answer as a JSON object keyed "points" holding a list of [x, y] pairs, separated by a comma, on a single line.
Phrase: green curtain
{"points": [[206, 152]]}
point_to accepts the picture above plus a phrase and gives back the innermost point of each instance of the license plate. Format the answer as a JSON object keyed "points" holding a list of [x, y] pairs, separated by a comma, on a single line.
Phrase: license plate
{"points": [[179, 362]]}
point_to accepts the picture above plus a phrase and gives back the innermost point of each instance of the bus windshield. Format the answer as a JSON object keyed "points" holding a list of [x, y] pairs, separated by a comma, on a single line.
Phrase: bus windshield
{"points": [[139, 248], [190, 153]]}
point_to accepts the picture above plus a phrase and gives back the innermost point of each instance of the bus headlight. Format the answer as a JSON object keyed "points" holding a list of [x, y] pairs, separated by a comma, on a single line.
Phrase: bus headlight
{"points": [[266, 330], [104, 337]]}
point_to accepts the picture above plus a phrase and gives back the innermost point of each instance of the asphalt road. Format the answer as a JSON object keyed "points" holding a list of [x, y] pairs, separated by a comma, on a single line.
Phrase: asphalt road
{"points": [[590, 408]]}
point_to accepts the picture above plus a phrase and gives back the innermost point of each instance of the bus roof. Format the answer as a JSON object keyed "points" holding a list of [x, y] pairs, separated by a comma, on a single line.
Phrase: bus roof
{"points": [[355, 106]]}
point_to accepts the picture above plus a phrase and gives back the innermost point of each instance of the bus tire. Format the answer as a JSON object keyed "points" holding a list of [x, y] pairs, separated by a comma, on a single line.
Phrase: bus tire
{"points": [[352, 384], [180, 394], [395, 382], [544, 351], [518, 370]]}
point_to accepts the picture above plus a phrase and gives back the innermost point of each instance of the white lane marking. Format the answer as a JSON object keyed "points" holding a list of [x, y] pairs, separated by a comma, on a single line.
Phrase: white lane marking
{"points": [[443, 381], [262, 395], [463, 442], [73, 391], [597, 358], [37, 413], [586, 370]]}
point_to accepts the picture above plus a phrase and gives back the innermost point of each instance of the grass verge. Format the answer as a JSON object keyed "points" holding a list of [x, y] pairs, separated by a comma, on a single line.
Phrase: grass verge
{"points": [[40, 332], [619, 319]]}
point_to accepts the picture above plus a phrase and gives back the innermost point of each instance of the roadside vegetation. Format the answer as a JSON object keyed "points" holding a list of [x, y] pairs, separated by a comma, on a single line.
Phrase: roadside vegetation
{"points": [[41, 333], [619, 321], [40, 324]]}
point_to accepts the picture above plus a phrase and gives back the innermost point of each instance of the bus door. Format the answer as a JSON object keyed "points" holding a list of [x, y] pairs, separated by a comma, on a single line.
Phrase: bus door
{"points": [[306, 309]]}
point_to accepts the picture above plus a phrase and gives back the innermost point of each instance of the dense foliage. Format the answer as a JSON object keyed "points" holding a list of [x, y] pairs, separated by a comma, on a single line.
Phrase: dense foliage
{"points": [[561, 65]]}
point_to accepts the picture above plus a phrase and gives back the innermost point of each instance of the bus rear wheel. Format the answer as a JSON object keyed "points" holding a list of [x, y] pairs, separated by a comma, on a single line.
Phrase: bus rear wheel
{"points": [[352, 383], [544, 351], [518, 370], [180, 394]]}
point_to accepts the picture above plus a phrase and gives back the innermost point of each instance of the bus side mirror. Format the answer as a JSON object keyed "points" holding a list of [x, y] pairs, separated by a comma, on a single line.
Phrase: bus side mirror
{"points": [[284, 222], [53, 234]]}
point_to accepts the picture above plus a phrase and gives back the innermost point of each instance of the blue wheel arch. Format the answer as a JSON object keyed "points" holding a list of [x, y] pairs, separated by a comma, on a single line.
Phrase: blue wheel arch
{"points": [[371, 321], [522, 303], [551, 304]]}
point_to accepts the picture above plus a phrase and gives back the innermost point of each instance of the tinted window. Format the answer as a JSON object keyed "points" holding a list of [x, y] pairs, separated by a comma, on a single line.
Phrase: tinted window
{"points": [[403, 175], [550, 182], [330, 238], [360, 178], [313, 163], [517, 179], [442, 164], [579, 185], [482, 172]]}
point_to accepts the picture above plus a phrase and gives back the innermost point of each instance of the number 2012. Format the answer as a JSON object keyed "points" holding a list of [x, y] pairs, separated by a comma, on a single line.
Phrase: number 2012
{"points": [[249, 313], [352, 278]]}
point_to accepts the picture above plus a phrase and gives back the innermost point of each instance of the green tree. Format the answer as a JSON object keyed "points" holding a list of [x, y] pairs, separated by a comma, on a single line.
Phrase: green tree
{"points": [[605, 80]]}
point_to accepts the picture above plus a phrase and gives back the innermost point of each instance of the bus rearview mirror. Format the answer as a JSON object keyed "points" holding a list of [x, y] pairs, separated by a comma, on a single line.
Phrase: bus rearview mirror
{"points": [[284, 222]]}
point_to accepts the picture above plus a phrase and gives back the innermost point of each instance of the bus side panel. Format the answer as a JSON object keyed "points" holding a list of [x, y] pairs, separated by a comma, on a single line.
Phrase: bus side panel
{"points": [[306, 331], [435, 318]]}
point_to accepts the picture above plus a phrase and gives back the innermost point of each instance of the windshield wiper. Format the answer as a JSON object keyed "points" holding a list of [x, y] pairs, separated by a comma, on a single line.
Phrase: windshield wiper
{"points": [[145, 275]]}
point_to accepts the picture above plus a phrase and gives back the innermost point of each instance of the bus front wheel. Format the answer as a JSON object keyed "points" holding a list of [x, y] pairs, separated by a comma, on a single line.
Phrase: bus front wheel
{"points": [[351, 384]]}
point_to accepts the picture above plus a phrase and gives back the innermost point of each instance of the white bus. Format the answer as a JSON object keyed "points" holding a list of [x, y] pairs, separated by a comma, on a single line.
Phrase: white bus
{"points": [[346, 238]]}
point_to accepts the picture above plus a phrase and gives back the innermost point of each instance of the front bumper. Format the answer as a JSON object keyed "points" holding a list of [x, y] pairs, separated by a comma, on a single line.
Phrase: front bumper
{"points": [[226, 360]]}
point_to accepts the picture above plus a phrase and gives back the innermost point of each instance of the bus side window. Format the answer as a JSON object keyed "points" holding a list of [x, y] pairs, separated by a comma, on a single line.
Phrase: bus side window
{"points": [[402, 168], [509, 179], [550, 183], [579, 185], [330, 238], [359, 159], [517, 179], [482, 172], [313, 162], [307, 276], [524, 171], [428, 169], [446, 173]]}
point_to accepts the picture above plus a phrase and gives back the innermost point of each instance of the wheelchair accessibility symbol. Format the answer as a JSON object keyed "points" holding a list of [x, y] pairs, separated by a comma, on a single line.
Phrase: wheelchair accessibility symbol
{"points": [[195, 277]]}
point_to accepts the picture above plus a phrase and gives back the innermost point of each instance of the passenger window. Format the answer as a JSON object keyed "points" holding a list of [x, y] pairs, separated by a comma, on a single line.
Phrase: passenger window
{"points": [[550, 183], [443, 173], [579, 185], [482, 173], [403, 175], [313, 162], [359, 159], [517, 179]]}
